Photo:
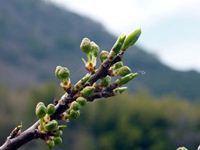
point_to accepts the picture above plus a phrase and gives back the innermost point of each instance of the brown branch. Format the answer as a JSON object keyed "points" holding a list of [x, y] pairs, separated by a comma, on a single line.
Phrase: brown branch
{"points": [[32, 132]]}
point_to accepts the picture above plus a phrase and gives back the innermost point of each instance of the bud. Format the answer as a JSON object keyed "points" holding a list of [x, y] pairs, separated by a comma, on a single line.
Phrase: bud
{"points": [[81, 82], [87, 91], [51, 109], [85, 46], [123, 71], [120, 90], [75, 105], [126, 79], [82, 101], [94, 48], [58, 133], [40, 110], [61, 127], [74, 114], [118, 44], [50, 144], [103, 55], [51, 125], [105, 82], [57, 140], [62, 73], [131, 39], [117, 65]]}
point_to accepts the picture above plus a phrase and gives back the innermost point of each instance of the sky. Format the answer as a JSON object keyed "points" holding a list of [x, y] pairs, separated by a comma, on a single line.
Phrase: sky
{"points": [[170, 29]]}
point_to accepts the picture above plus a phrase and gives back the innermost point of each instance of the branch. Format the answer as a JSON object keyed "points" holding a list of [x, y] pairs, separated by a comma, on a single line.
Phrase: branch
{"points": [[18, 138]]}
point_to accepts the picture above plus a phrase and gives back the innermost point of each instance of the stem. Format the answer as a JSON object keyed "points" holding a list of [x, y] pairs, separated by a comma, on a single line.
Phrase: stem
{"points": [[32, 132]]}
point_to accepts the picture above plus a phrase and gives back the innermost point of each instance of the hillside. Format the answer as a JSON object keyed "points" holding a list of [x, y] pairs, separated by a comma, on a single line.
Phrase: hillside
{"points": [[36, 36]]}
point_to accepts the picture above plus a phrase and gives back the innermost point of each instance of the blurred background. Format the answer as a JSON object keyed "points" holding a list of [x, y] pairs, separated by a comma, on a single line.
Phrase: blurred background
{"points": [[160, 111]]}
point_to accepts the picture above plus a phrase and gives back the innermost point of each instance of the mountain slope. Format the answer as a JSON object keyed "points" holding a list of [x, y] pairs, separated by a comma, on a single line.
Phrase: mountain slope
{"points": [[36, 36]]}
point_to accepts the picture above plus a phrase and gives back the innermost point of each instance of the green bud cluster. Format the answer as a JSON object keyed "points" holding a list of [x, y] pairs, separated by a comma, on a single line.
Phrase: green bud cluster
{"points": [[52, 141], [63, 74], [74, 110], [91, 49], [47, 125]]}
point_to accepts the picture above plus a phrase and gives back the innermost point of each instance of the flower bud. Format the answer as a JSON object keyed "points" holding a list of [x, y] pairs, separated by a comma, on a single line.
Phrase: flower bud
{"points": [[131, 39], [62, 73], [126, 78], [51, 125], [123, 71], [118, 44], [85, 46], [51, 109], [94, 48], [120, 90], [74, 114], [57, 140], [87, 91], [40, 110], [82, 101], [104, 55], [75, 105], [105, 82], [50, 144]]}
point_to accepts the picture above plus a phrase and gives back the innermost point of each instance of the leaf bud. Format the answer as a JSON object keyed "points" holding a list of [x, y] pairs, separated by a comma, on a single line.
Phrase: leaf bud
{"points": [[62, 73], [40, 110], [126, 78], [87, 91], [120, 90], [85, 46], [50, 144], [51, 109], [118, 44], [123, 71], [81, 100], [74, 114], [51, 125], [105, 82], [75, 105], [57, 140], [104, 55], [131, 39], [117, 65]]}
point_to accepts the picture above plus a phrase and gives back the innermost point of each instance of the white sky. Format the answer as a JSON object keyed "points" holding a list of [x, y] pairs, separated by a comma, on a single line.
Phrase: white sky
{"points": [[171, 28]]}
